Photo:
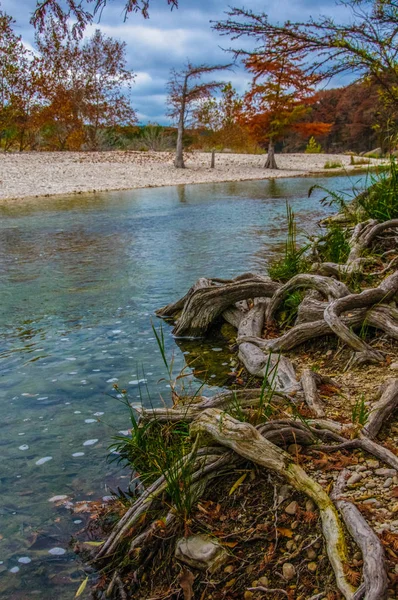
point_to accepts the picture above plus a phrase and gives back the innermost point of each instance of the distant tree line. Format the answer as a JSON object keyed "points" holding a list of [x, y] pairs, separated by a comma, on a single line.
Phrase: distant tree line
{"points": [[65, 93], [73, 93]]}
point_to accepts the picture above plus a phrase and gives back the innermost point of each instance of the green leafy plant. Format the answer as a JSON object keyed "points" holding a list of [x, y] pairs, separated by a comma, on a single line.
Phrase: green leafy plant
{"points": [[293, 260], [381, 201], [334, 245], [313, 147], [333, 165], [359, 412], [288, 314]]}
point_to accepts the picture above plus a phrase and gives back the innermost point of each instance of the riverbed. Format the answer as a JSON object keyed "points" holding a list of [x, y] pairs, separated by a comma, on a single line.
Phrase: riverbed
{"points": [[80, 279]]}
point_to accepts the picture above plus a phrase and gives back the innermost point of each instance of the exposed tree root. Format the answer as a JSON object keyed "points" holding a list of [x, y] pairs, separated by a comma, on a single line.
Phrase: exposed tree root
{"points": [[253, 304], [309, 381], [244, 439], [374, 570], [191, 409], [329, 288], [382, 410]]}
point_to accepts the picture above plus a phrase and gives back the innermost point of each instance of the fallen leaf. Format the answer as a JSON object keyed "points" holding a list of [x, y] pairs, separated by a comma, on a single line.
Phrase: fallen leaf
{"points": [[230, 544], [95, 544], [237, 484], [82, 587], [186, 580], [285, 532]]}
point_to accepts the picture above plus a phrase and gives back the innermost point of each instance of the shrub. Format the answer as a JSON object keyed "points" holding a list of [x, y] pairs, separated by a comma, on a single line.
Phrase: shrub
{"points": [[333, 165], [381, 200], [313, 147]]}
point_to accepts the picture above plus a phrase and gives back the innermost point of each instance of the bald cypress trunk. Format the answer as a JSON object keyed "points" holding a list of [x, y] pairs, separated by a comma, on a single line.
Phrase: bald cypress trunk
{"points": [[270, 163]]}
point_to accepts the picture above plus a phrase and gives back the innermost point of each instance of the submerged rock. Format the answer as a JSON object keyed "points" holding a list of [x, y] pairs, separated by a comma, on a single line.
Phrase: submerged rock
{"points": [[201, 552]]}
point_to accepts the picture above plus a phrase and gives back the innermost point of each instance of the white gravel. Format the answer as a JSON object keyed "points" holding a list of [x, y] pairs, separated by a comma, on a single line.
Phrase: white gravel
{"points": [[38, 174]]}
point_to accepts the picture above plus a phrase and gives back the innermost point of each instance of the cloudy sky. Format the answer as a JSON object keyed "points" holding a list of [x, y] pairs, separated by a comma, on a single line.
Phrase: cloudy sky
{"points": [[168, 38]]}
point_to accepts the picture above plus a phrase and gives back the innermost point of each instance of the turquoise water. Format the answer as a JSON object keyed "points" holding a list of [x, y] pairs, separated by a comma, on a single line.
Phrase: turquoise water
{"points": [[80, 279]]}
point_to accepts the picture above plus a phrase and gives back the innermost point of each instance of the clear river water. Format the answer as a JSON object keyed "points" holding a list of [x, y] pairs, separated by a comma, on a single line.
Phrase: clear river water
{"points": [[80, 278]]}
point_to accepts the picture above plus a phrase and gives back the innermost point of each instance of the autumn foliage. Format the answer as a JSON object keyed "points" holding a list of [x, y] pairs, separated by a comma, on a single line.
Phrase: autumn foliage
{"points": [[279, 99], [64, 95]]}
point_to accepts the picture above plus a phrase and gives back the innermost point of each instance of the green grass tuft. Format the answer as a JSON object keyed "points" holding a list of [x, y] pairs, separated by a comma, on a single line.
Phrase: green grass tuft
{"points": [[293, 260]]}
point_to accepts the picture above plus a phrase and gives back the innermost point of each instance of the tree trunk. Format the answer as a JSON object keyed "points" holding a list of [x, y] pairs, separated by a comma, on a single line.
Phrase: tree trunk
{"points": [[270, 163], [179, 159]]}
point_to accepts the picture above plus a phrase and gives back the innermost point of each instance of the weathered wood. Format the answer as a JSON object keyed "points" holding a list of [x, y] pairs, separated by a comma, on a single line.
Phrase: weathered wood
{"points": [[191, 409], [365, 233], [309, 381], [329, 288], [382, 410], [364, 353], [245, 440], [374, 567], [276, 368], [204, 305]]}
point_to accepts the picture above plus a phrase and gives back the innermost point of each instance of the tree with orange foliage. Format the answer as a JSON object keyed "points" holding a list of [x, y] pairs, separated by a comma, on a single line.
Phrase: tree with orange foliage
{"points": [[83, 88], [279, 98], [17, 94]]}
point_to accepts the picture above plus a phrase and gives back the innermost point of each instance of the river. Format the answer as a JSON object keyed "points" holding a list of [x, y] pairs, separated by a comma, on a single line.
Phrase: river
{"points": [[80, 278]]}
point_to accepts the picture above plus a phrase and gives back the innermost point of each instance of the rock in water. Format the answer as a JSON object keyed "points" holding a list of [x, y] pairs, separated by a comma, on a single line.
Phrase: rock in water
{"points": [[201, 552]]}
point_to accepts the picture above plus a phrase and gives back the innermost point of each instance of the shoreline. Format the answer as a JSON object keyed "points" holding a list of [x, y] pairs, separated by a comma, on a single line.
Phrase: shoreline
{"points": [[75, 173]]}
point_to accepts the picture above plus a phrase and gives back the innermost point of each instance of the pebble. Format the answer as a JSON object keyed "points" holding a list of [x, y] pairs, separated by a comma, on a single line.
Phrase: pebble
{"points": [[311, 554], [263, 581], [288, 571], [23, 447], [312, 567], [291, 508], [57, 551], [24, 560], [355, 478], [14, 570], [372, 502], [90, 420], [90, 442], [43, 460], [291, 545], [77, 454], [371, 485], [309, 506], [387, 483], [373, 464], [386, 472], [58, 498], [394, 366]]}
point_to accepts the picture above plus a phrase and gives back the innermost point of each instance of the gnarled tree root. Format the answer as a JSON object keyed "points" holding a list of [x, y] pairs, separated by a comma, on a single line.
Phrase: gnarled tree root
{"points": [[202, 305], [245, 440], [374, 569]]}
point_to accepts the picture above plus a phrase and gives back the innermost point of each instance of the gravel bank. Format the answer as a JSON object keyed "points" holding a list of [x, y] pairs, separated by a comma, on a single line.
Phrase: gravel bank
{"points": [[35, 174]]}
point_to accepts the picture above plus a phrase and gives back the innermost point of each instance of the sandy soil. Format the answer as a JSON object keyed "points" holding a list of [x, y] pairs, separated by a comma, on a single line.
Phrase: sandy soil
{"points": [[31, 174]]}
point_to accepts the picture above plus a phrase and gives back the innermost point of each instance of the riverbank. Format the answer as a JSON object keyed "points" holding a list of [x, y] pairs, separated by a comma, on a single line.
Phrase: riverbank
{"points": [[42, 174]]}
